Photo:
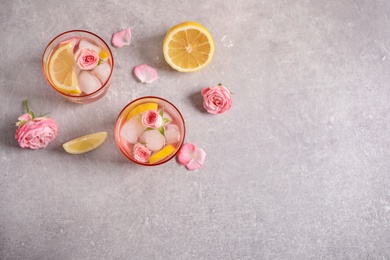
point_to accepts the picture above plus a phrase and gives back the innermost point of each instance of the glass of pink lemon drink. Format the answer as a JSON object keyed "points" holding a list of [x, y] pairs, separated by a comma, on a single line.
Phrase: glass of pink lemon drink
{"points": [[149, 131], [78, 65]]}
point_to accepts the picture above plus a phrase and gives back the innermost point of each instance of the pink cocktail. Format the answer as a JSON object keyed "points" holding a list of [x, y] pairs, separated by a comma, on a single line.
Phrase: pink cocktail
{"points": [[149, 131], [78, 65]]}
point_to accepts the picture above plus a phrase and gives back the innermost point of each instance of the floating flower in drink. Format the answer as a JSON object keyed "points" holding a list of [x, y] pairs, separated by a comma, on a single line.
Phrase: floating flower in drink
{"points": [[87, 59], [141, 153]]}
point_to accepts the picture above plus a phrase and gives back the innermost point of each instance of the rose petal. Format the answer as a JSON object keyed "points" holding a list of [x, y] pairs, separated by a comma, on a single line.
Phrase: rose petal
{"points": [[190, 156], [25, 117], [204, 91], [197, 161], [121, 38], [74, 41], [145, 73], [186, 153]]}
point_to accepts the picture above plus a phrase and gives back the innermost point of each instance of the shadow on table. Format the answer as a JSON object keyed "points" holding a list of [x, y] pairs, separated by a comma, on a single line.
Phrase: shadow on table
{"points": [[196, 100], [150, 49]]}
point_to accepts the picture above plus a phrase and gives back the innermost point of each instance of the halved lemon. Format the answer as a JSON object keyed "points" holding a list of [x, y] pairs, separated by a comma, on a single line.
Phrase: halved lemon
{"points": [[141, 109], [163, 153], [85, 143], [188, 47], [62, 70]]}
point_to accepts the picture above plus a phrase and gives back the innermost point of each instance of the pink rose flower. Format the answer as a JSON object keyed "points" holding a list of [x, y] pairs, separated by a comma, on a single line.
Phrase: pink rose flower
{"points": [[191, 156], [141, 153], [152, 119], [35, 132], [87, 59], [216, 100]]}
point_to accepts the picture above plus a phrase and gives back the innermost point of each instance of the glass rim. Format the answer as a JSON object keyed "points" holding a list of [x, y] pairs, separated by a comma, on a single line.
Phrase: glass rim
{"points": [[116, 128], [70, 95]]}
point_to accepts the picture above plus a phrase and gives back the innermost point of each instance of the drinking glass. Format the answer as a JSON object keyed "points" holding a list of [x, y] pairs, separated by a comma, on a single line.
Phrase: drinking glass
{"points": [[93, 84], [159, 143]]}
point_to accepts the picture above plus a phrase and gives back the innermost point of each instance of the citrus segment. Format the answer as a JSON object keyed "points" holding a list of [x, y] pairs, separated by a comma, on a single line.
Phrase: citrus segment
{"points": [[85, 143], [188, 47], [103, 55], [61, 70], [141, 109], [163, 153]]}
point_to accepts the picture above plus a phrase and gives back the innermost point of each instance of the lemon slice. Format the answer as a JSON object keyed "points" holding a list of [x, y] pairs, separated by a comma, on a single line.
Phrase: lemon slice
{"points": [[188, 47], [141, 109], [103, 55], [85, 143], [61, 70], [163, 153]]}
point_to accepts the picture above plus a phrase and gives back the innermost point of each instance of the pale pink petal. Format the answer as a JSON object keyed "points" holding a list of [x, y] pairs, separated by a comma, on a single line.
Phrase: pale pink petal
{"points": [[197, 160], [25, 117], [190, 156], [145, 73], [73, 40], [186, 153], [121, 38]]}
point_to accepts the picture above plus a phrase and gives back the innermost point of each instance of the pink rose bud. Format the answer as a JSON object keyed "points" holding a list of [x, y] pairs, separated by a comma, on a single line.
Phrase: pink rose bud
{"points": [[216, 100], [35, 132], [141, 153], [152, 119], [87, 59]]}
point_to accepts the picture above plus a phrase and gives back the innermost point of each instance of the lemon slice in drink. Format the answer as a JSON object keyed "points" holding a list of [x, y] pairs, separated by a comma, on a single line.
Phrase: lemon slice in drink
{"points": [[61, 70], [141, 109], [103, 55], [188, 47], [85, 143], [163, 153]]}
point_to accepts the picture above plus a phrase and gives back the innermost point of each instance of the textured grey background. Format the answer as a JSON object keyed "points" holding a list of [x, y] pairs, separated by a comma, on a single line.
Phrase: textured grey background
{"points": [[297, 169]]}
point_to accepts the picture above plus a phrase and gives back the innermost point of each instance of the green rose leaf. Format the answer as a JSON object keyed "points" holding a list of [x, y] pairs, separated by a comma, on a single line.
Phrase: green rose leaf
{"points": [[161, 130]]}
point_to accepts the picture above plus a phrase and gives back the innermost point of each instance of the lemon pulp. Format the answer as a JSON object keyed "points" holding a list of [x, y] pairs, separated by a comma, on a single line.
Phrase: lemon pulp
{"points": [[163, 153], [188, 47], [141, 109], [62, 70], [85, 143]]}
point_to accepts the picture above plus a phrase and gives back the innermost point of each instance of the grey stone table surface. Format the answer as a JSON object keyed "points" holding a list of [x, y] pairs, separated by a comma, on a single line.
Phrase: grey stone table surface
{"points": [[298, 168]]}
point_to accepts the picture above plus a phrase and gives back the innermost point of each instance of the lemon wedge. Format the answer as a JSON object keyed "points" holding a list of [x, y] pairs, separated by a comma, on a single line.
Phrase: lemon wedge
{"points": [[188, 47], [85, 143], [163, 153], [62, 70], [103, 55], [141, 109]]}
